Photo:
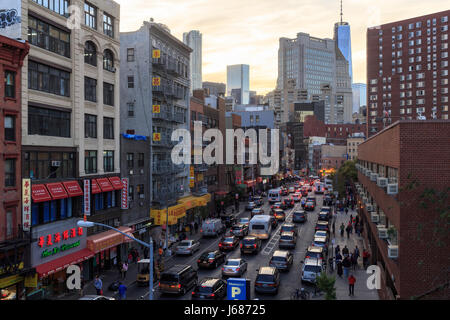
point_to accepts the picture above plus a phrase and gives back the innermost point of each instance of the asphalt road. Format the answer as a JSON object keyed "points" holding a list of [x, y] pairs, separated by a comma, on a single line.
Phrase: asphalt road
{"points": [[290, 280]]}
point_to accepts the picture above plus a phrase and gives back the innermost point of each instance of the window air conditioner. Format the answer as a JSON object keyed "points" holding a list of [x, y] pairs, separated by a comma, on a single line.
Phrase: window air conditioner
{"points": [[369, 208], [392, 188], [382, 182], [393, 252], [382, 233], [374, 176], [374, 217]]}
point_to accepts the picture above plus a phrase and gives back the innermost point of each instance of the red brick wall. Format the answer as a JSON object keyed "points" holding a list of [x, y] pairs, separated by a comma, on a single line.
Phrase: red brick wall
{"points": [[313, 127]]}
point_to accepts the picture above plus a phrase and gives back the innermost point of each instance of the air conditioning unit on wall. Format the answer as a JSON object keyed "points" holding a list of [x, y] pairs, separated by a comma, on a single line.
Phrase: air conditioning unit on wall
{"points": [[374, 177], [374, 217], [368, 173], [392, 188], [382, 182], [382, 233], [393, 252], [369, 208]]}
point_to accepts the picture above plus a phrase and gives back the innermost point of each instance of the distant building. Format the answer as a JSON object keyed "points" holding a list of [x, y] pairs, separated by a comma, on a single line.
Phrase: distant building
{"points": [[215, 88], [238, 77], [333, 156], [194, 40], [352, 145], [300, 110], [359, 96]]}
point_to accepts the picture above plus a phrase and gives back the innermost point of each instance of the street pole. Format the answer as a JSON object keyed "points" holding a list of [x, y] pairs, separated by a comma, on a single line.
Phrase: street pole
{"points": [[167, 231], [150, 285]]}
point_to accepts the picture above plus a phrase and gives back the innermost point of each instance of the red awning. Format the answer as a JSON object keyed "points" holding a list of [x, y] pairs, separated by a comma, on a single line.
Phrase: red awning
{"points": [[56, 190], [221, 193], [62, 263], [73, 188], [39, 193], [116, 183], [94, 187], [105, 185], [250, 183]]}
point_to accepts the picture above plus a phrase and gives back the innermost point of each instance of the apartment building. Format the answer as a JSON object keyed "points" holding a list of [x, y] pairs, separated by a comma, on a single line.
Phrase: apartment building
{"points": [[408, 71]]}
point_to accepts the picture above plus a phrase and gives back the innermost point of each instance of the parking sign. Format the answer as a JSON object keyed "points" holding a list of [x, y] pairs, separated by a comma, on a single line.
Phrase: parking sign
{"points": [[238, 289]]}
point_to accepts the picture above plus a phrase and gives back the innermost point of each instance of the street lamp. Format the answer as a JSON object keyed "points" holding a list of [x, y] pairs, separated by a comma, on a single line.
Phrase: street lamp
{"points": [[89, 224]]}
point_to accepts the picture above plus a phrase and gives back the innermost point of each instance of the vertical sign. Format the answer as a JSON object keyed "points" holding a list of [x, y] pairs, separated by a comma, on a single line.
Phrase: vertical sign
{"points": [[191, 177], [10, 18], [26, 204], [124, 193], [87, 197]]}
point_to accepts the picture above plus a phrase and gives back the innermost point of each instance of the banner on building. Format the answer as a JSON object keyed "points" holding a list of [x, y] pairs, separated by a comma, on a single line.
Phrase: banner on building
{"points": [[26, 204], [156, 53], [156, 108], [124, 193], [87, 197], [10, 18], [157, 136], [156, 81]]}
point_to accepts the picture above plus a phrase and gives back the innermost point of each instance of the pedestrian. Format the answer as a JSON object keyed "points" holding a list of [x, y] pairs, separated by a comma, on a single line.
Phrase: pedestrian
{"points": [[122, 291], [338, 257], [366, 256], [351, 285], [346, 210], [124, 270], [342, 230], [339, 268], [346, 263], [345, 251], [146, 253], [348, 229], [356, 252], [334, 227], [98, 285], [337, 250], [196, 226], [357, 219], [354, 260], [130, 257]]}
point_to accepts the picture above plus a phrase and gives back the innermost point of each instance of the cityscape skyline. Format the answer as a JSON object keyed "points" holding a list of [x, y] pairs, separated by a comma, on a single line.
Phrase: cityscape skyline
{"points": [[260, 21]]}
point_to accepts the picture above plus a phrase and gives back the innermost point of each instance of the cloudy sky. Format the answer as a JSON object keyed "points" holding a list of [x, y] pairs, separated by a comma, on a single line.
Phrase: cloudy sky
{"points": [[248, 31]]}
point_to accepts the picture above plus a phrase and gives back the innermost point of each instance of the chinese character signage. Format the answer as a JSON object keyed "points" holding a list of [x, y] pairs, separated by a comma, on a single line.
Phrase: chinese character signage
{"points": [[156, 81], [157, 136], [10, 18], [124, 193], [87, 197], [26, 204], [156, 108], [156, 53]]}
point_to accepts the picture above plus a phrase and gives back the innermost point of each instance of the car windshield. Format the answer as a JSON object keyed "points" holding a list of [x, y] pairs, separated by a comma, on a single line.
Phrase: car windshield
{"points": [[300, 214], [229, 239], [232, 263], [249, 241], [184, 244], [203, 289], [313, 254], [264, 278], [310, 268], [286, 228]]}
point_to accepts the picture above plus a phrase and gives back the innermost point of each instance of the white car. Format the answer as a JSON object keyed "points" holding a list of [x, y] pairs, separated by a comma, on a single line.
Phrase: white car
{"points": [[320, 233], [312, 267], [95, 297], [234, 268], [187, 247], [245, 221]]}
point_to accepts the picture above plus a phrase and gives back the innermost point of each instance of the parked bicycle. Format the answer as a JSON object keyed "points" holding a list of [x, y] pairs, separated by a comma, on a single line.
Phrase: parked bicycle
{"points": [[300, 294]]}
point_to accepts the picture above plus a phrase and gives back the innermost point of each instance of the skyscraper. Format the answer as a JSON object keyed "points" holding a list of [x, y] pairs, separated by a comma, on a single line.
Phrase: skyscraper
{"points": [[359, 96], [342, 36], [193, 39], [238, 77]]}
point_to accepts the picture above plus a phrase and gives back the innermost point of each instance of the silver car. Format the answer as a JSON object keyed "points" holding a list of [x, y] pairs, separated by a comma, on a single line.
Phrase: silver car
{"points": [[187, 247], [234, 268], [95, 297]]}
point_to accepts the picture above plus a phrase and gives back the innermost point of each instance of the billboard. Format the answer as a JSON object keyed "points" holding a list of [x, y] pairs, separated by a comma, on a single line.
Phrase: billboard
{"points": [[10, 18]]}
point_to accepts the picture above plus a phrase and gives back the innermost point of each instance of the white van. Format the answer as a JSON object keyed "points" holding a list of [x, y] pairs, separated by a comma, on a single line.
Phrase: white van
{"points": [[260, 226], [212, 228], [274, 195]]}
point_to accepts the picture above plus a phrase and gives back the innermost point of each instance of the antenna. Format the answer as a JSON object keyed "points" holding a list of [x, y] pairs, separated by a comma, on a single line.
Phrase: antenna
{"points": [[341, 12]]}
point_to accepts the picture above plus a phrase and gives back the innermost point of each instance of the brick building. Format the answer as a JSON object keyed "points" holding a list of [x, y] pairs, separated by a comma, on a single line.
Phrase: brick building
{"points": [[14, 260], [338, 133], [407, 70], [395, 167]]}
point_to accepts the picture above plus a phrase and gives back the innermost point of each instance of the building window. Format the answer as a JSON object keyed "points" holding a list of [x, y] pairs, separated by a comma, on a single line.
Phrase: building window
{"points": [[90, 15], [90, 161], [140, 191], [130, 54], [108, 94], [108, 128], [10, 172], [10, 128], [131, 193], [48, 122], [10, 84], [90, 126], [48, 37], [108, 161], [58, 6], [130, 81], [108, 60], [108, 25], [141, 158], [130, 109], [90, 53], [90, 89], [48, 79], [45, 165], [130, 160]]}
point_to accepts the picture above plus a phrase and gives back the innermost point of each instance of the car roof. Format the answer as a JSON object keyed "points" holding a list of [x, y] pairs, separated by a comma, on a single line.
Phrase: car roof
{"points": [[320, 238], [315, 249], [280, 253], [287, 233], [234, 259], [278, 210], [291, 225], [313, 262], [208, 282], [322, 222], [328, 208], [300, 212], [267, 270]]}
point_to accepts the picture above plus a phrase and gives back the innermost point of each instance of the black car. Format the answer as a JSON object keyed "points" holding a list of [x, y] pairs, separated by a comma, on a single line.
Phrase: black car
{"points": [[178, 279], [327, 201], [239, 230], [267, 280], [289, 202], [211, 289], [299, 216], [228, 220], [250, 244], [274, 222], [211, 259], [323, 216], [228, 243], [250, 206]]}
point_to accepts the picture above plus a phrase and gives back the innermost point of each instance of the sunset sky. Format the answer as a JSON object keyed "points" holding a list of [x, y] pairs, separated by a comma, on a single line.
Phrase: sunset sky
{"points": [[248, 31]]}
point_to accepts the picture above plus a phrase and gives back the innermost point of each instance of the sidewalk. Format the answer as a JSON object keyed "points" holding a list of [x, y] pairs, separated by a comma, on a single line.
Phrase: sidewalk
{"points": [[361, 290]]}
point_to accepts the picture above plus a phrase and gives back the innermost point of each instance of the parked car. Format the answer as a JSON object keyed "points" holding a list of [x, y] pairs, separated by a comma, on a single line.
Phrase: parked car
{"points": [[312, 268], [279, 214], [321, 242], [250, 244], [309, 206], [328, 210], [322, 225], [239, 230], [267, 280], [178, 279], [282, 260], [315, 252], [187, 247], [299, 216], [289, 227], [257, 211], [321, 233], [250, 206], [212, 227], [287, 240], [323, 216], [228, 243], [210, 288], [211, 259], [234, 267]]}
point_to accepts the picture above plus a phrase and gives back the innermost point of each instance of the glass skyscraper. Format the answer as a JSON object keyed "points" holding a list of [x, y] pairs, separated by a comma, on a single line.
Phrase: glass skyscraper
{"points": [[343, 40], [238, 77]]}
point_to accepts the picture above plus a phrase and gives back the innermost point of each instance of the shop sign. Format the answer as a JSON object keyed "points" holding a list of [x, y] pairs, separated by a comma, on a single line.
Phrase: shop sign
{"points": [[87, 197], [9, 281], [55, 250], [31, 281], [156, 81], [156, 136], [26, 204], [156, 53], [156, 108], [124, 205]]}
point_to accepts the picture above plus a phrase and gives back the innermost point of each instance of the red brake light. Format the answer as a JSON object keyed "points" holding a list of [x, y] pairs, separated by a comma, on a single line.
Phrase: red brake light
{"points": [[241, 245], [198, 260], [223, 268], [212, 295], [220, 244], [201, 230], [237, 269], [179, 286], [193, 292], [254, 246], [306, 257]]}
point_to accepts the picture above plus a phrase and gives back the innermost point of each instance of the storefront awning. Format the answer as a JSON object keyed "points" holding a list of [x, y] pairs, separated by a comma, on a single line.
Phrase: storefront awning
{"points": [[250, 183], [39, 193], [221, 193], [116, 183], [62, 263], [73, 188], [105, 185], [106, 240], [56, 190], [94, 187]]}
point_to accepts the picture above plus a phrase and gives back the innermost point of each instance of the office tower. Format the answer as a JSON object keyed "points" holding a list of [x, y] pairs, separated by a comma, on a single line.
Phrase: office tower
{"points": [[238, 77], [359, 96], [407, 70], [342, 36], [215, 88], [194, 40]]}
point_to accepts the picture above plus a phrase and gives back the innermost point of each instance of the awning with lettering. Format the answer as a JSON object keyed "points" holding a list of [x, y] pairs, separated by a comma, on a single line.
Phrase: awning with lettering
{"points": [[62, 263], [105, 185], [73, 188], [39, 193], [94, 187], [106, 240], [56, 190], [116, 183]]}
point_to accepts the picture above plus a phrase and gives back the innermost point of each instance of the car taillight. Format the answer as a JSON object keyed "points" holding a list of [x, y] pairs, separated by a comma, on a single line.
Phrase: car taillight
{"points": [[193, 292], [223, 268], [220, 244], [201, 230], [254, 246], [179, 286], [212, 294], [306, 257], [198, 260], [240, 245], [210, 260], [237, 269]]}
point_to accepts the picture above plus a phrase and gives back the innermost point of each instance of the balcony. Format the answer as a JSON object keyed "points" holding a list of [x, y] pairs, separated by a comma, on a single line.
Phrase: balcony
{"points": [[177, 168], [165, 141], [159, 63], [164, 114]]}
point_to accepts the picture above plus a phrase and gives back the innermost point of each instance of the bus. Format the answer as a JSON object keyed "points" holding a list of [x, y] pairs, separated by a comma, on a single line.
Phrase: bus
{"points": [[274, 195], [260, 226]]}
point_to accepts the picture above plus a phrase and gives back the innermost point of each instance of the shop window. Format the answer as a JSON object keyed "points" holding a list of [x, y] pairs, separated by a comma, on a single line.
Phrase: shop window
{"points": [[99, 205]]}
